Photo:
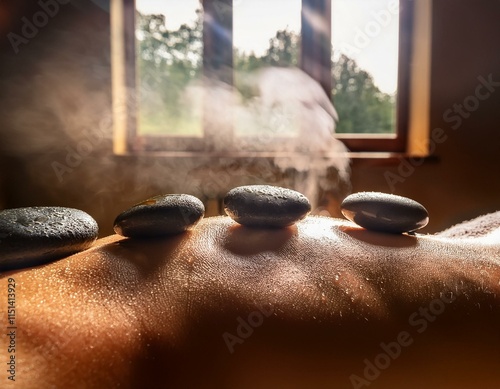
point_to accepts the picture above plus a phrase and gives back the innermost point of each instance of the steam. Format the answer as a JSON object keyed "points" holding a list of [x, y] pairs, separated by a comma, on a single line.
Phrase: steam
{"points": [[289, 117], [59, 114]]}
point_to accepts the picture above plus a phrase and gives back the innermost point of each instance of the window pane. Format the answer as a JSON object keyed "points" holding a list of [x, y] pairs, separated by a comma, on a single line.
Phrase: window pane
{"points": [[169, 65], [365, 70], [265, 34]]}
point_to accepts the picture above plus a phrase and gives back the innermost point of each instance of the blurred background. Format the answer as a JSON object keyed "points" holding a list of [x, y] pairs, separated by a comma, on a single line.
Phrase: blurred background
{"points": [[56, 115]]}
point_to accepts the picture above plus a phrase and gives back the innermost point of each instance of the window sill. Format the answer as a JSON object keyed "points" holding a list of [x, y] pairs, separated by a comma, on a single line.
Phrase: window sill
{"points": [[387, 159], [357, 158]]}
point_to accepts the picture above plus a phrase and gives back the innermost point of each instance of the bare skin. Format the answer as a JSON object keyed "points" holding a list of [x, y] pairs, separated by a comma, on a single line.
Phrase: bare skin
{"points": [[317, 300]]}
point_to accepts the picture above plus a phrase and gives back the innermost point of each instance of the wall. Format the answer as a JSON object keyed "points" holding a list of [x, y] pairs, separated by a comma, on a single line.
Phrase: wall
{"points": [[462, 183], [55, 128]]}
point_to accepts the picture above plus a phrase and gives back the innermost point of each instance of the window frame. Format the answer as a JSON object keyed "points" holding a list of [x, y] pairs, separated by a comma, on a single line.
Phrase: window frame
{"points": [[315, 59]]}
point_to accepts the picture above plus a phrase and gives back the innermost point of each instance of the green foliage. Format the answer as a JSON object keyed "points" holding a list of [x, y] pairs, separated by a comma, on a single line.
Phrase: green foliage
{"points": [[361, 106], [169, 60]]}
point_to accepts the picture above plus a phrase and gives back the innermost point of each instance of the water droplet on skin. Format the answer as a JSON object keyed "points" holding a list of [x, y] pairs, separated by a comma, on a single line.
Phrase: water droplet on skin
{"points": [[337, 277]]}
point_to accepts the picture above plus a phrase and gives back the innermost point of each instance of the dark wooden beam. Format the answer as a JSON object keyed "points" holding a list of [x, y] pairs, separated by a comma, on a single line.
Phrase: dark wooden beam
{"points": [[316, 53], [218, 40]]}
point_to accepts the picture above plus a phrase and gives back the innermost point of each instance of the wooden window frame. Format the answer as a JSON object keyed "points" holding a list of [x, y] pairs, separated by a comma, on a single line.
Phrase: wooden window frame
{"points": [[412, 127]]}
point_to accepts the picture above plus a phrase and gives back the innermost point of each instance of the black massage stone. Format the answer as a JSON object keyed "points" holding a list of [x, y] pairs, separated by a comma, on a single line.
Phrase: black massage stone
{"points": [[37, 235], [160, 216], [384, 212], [266, 206]]}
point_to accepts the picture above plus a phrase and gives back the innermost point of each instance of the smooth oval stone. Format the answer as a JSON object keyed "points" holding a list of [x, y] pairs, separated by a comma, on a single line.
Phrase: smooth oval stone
{"points": [[37, 235], [266, 206], [384, 212], [160, 216]]}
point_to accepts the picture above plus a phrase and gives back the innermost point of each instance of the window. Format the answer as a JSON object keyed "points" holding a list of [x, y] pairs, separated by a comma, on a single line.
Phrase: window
{"points": [[163, 64]]}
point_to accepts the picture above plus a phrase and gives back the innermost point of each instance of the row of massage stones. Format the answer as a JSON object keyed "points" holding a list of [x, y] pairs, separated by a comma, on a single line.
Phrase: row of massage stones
{"points": [[36, 235]]}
